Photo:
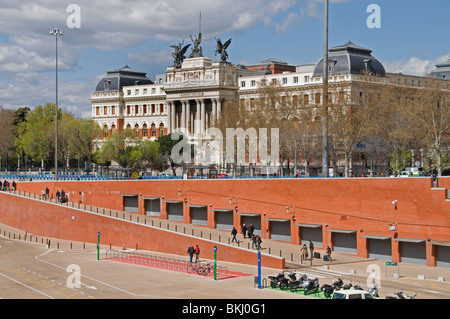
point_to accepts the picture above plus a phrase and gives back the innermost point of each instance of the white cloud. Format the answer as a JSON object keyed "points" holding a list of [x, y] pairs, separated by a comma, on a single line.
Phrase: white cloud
{"points": [[415, 66]]}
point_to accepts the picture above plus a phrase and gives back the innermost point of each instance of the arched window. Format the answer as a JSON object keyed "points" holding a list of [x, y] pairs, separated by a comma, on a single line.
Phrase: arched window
{"points": [[161, 129], [145, 131], [153, 130]]}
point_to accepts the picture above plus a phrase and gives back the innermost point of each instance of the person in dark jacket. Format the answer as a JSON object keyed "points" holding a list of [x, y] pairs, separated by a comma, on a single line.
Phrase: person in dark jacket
{"points": [[191, 252], [244, 230], [234, 233]]}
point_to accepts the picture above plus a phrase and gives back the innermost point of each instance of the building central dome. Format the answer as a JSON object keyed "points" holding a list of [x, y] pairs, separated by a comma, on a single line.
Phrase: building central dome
{"points": [[350, 59], [115, 80]]}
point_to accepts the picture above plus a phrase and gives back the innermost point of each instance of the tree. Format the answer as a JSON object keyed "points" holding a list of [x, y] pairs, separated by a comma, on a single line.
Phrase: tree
{"points": [[166, 145], [431, 118], [348, 121], [121, 149], [36, 134]]}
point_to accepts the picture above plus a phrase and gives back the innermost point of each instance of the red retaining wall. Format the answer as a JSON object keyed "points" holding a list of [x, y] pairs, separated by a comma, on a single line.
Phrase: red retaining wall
{"points": [[57, 221], [364, 205]]}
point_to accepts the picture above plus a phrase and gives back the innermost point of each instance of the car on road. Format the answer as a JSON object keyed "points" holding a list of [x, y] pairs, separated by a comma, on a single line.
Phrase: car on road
{"points": [[222, 176], [351, 294]]}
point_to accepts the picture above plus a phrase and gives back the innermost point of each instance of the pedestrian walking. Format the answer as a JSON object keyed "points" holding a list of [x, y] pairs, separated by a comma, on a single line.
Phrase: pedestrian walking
{"points": [[259, 241], [311, 248], [254, 243], [14, 186], [191, 252], [251, 229], [234, 233], [47, 193], [58, 195], [244, 230], [197, 252]]}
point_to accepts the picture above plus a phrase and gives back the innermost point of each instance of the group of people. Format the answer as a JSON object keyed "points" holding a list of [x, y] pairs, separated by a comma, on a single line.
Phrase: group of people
{"points": [[304, 251], [191, 251], [8, 187], [61, 196], [248, 232]]}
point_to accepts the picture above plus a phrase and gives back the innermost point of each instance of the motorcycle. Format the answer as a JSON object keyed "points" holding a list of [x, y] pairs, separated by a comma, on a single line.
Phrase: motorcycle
{"points": [[279, 281], [296, 284], [310, 286], [401, 295], [374, 291]]}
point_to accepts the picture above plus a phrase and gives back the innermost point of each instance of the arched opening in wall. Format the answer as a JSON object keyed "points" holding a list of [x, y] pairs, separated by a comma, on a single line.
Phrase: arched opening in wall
{"points": [[153, 130], [161, 129], [136, 129], [145, 130]]}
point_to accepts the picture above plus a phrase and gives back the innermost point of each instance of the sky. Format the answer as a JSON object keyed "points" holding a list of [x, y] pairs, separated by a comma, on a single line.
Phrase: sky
{"points": [[408, 36]]}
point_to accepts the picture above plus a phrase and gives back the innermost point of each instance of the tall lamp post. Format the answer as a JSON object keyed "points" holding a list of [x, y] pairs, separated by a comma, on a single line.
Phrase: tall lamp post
{"points": [[325, 159], [56, 32]]}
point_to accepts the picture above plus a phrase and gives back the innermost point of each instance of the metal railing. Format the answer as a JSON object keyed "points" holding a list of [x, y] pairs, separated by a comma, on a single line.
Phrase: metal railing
{"points": [[166, 263]]}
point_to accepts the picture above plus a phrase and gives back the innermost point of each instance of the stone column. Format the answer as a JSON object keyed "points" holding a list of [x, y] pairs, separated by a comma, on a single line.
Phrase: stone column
{"points": [[203, 117], [197, 117], [183, 114], [172, 116], [219, 107], [214, 110], [188, 117]]}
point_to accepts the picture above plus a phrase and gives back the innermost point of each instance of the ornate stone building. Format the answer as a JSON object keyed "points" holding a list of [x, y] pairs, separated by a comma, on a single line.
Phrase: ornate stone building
{"points": [[194, 91]]}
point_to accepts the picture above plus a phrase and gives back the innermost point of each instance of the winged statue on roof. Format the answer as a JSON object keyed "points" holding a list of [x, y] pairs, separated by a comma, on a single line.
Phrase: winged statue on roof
{"points": [[222, 49], [178, 53]]}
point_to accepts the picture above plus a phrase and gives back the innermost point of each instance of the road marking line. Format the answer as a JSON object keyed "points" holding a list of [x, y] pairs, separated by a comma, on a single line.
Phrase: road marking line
{"points": [[26, 286]]}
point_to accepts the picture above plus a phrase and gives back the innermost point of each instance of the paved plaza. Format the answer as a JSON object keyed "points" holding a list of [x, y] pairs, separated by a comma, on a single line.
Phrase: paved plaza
{"points": [[30, 269]]}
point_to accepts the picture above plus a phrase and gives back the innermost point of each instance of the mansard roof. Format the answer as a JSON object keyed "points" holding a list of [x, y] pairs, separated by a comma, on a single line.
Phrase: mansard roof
{"points": [[350, 58], [115, 80]]}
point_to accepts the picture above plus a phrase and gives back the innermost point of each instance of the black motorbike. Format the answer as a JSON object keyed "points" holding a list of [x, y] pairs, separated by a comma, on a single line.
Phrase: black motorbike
{"points": [[329, 289], [279, 281]]}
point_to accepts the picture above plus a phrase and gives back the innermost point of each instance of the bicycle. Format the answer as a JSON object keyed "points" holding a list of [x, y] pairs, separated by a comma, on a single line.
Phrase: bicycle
{"points": [[191, 268], [205, 270]]}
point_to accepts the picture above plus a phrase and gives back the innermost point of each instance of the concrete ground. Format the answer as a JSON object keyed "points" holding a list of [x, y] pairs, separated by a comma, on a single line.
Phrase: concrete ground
{"points": [[29, 269]]}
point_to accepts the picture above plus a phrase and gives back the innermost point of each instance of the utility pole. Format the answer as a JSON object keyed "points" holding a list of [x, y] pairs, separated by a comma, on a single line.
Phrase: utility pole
{"points": [[325, 159], [56, 32]]}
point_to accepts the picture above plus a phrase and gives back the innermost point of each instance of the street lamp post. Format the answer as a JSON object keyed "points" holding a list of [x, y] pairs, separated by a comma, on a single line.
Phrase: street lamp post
{"points": [[56, 32], [325, 158]]}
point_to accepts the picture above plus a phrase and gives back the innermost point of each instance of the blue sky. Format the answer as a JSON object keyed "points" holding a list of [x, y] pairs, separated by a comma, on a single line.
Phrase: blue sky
{"points": [[413, 37]]}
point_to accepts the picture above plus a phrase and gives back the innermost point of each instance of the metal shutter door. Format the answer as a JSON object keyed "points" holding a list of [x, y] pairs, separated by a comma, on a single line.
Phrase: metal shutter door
{"points": [[280, 231], [199, 215], [175, 211]]}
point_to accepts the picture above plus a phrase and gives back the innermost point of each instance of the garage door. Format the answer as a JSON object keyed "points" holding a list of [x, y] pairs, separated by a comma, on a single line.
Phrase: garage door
{"points": [[344, 241], [175, 211], [413, 251], [311, 232], [199, 214], [152, 207], [131, 203], [224, 219], [280, 229], [252, 219], [442, 256], [380, 249]]}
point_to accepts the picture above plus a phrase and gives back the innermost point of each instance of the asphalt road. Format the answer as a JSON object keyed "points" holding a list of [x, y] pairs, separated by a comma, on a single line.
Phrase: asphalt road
{"points": [[33, 271]]}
